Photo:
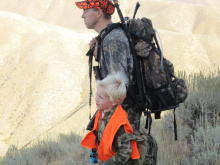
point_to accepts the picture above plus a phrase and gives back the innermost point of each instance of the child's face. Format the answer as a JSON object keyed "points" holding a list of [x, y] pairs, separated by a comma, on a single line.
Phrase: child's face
{"points": [[103, 101]]}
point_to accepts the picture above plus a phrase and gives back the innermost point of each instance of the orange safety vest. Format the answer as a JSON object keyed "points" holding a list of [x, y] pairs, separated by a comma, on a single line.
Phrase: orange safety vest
{"points": [[104, 149]]}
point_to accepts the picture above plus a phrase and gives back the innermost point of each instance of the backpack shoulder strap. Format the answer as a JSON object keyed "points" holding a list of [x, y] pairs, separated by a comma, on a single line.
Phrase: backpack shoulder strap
{"points": [[106, 31], [110, 28]]}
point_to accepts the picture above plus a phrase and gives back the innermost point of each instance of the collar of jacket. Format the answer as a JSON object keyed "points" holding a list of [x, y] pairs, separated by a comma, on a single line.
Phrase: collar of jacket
{"points": [[105, 29]]}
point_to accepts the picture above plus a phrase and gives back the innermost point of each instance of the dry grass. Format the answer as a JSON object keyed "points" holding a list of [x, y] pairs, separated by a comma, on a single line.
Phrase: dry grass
{"points": [[198, 124], [65, 151], [198, 121]]}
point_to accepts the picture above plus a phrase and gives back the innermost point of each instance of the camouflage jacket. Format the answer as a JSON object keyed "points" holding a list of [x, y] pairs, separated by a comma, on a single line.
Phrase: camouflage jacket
{"points": [[115, 53], [121, 147]]}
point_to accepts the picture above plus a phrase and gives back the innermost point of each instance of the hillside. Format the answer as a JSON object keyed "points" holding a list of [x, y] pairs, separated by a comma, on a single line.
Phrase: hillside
{"points": [[38, 68], [43, 68]]}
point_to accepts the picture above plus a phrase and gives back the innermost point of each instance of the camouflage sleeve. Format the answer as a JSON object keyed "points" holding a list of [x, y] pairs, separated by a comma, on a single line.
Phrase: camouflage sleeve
{"points": [[116, 52], [124, 150]]}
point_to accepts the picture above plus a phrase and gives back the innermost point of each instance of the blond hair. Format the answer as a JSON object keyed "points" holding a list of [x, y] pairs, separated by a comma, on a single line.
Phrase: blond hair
{"points": [[115, 85]]}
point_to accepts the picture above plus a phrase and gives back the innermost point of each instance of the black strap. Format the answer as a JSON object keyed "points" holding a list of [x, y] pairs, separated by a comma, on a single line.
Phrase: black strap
{"points": [[175, 126], [90, 79], [144, 39], [96, 135], [148, 114], [110, 28], [90, 54], [99, 46], [168, 77]]}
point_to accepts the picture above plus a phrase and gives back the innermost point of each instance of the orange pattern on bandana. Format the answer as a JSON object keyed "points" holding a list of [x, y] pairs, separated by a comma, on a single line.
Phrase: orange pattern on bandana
{"points": [[105, 5]]}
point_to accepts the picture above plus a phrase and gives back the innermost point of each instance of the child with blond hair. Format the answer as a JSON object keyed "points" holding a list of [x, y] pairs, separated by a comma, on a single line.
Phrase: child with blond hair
{"points": [[112, 135]]}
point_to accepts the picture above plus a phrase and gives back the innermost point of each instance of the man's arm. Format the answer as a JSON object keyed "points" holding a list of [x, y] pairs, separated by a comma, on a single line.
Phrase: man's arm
{"points": [[116, 54]]}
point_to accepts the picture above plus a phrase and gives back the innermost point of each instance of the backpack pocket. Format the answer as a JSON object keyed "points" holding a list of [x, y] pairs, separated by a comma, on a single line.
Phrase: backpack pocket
{"points": [[162, 98], [180, 90]]}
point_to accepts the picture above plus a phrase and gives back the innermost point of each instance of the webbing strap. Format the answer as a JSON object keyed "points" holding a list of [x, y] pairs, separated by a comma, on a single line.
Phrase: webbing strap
{"points": [[148, 114], [175, 126], [99, 47], [168, 78], [90, 54], [96, 135], [144, 39], [110, 28]]}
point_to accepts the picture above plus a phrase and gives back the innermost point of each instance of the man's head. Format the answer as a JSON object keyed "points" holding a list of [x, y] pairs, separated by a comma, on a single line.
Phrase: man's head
{"points": [[111, 90], [105, 6], [96, 13]]}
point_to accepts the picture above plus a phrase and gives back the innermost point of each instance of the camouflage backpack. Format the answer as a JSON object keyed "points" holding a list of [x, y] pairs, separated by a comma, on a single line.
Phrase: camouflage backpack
{"points": [[157, 71], [161, 88]]}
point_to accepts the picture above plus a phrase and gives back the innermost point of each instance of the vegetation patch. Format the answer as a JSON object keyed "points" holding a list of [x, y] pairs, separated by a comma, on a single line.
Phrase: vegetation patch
{"points": [[198, 126]]}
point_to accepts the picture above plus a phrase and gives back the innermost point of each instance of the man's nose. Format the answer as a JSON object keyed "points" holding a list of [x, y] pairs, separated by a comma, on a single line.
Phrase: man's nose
{"points": [[83, 16]]}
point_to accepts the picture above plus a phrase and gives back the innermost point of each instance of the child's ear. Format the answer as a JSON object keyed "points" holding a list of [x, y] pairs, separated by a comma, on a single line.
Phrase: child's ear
{"points": [[116, 102]]}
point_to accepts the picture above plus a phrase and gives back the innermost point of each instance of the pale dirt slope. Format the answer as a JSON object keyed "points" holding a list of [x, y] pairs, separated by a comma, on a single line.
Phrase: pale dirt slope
{"points": [[212, 3], [184, 16], [38, 68], [43, 67]]}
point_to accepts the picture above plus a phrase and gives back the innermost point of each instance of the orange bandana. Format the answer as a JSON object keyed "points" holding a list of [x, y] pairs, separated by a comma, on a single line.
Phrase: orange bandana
{"points": [[105, 5]]}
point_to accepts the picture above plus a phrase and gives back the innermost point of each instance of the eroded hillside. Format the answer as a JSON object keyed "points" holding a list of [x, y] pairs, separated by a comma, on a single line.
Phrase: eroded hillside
{"points": [[42, 70]]}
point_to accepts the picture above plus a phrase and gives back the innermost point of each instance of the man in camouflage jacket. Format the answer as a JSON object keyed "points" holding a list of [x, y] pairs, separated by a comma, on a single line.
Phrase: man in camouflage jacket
{"points": [[114, 52]]}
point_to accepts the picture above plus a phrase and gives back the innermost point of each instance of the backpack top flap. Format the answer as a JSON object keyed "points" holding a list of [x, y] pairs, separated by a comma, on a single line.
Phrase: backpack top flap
{"points": [[142, 28]]}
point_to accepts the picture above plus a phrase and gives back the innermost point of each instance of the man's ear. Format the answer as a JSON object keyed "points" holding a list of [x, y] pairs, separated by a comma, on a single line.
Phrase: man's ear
{"points": [[99, 13]]}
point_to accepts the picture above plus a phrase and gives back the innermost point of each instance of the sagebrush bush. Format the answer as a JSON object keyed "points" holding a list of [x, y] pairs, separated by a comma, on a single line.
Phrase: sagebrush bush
{"points": [[198, 128], [205, 146], [65, 151], [197, 122]]}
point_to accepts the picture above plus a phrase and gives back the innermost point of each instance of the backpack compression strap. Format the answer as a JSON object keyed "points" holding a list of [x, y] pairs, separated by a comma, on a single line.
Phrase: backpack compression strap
{"points": [[90, 54], [174, 123]]}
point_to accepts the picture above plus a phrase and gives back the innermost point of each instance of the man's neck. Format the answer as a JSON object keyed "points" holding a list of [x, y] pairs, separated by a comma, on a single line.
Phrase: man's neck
{"points": [[101, 25]]}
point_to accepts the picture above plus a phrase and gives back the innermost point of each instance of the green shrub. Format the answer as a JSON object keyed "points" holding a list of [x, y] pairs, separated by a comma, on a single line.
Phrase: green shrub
{"points": [[197, 122], [66, 151]]}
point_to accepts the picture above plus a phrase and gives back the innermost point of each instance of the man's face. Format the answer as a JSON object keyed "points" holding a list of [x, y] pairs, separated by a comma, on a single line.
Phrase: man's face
{"points": [[90, 17], [103, 101]]}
